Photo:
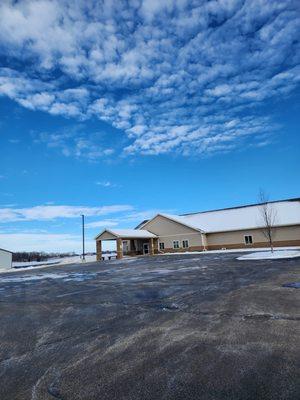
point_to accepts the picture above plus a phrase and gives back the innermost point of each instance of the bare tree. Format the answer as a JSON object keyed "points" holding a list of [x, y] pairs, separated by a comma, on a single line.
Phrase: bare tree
{"points": [[268, 218]]}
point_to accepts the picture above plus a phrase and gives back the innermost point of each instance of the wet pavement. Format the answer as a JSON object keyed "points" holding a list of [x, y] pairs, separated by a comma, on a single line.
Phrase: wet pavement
{"points": [[167, 327]]}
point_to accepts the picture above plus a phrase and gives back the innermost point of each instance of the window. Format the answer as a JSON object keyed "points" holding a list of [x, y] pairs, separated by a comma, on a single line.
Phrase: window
{"points": [[176, 244], [248, 239], [161, 246], [185, 244]]}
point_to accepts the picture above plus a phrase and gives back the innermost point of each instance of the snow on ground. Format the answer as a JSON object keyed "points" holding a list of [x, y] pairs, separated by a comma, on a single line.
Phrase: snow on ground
{"points": [[53, 261], [269, 255], [255, 255], [59, 261], [22, 266], [77, 259], [244, 250], [66, 277], [26, 264]]}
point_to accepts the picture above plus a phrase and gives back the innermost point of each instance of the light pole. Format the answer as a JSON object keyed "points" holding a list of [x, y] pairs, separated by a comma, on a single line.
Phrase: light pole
{"points": [[83, 248]]}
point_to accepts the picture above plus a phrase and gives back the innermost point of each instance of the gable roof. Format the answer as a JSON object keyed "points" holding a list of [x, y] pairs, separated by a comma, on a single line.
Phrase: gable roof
{"points": [[246, 217], [141, 224], [129, 233], [175, 218], [243, 206], [237, 218], [180, 220], [7, 251]]}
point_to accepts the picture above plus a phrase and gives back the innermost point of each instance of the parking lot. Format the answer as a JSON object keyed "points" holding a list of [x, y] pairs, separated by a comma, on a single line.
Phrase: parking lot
{"points": [[166, 327]]}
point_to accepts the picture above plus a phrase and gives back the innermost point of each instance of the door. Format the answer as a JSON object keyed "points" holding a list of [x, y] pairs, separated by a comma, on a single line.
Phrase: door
{"points": [[125, 247], [145, 248]]}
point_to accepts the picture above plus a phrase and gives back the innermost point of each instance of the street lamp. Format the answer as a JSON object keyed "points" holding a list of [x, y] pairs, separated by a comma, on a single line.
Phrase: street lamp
{"points": [[83, 247]]}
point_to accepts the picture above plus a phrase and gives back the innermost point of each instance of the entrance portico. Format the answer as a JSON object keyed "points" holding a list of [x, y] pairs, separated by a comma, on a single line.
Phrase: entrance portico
{"points": [[130, 242]]}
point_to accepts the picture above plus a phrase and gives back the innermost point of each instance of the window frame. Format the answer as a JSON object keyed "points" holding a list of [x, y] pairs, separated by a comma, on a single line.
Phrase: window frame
{"points": [[177, 241], [188, 244], [247, 241], [161, 245]]}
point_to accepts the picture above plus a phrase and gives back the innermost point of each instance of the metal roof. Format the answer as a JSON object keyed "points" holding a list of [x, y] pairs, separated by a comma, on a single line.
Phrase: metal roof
{"points": [[129, 233], [238, 218], [248, 217], [235, 207], [7, 251]]}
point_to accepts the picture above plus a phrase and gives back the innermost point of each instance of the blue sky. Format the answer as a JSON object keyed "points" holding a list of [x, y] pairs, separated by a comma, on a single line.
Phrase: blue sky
{"points": [[120, 110]]}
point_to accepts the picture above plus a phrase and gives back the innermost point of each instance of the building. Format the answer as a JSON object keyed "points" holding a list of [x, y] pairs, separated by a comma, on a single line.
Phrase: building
{"points": [[228, 228], [5, 259]]}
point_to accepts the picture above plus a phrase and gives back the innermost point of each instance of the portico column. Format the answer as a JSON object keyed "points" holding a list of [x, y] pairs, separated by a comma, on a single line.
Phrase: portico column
{"points": [[151, 250], [155, 244], [119, 249], [99, 250]]}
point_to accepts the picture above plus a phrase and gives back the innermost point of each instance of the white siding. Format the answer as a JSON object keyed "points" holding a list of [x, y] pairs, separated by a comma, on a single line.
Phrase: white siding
{"points": [[5, 259]]}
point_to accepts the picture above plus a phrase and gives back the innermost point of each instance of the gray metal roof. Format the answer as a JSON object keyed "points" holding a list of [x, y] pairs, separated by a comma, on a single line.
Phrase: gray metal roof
{"points": [[7, 251]]}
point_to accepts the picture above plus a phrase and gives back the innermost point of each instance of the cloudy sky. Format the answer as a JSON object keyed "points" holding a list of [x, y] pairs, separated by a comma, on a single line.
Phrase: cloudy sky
{"points": [[119, 109]]}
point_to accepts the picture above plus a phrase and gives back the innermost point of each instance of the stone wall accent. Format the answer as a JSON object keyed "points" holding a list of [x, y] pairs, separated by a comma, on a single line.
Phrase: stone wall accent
{"points": [[99, 250], [119, 249]]}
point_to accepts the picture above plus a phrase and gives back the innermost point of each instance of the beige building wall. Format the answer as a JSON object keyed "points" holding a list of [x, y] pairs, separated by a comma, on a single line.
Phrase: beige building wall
{"points": [[168, 231], [284, 236], [109, 236], [106, 236]]}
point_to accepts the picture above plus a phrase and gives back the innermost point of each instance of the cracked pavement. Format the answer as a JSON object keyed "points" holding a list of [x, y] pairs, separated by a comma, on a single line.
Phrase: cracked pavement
{"points": [[166, 327]]}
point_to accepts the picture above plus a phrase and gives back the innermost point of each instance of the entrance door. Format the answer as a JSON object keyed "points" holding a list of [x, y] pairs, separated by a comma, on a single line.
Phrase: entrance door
{"points": [[125, 247], [146, 248]]}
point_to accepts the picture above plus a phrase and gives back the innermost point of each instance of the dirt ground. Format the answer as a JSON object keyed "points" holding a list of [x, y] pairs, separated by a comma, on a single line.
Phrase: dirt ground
{"points": [[166, 327]]}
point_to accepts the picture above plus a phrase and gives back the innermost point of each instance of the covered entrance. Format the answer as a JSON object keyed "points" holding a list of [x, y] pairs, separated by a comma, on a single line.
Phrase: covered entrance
{"points": [[145, 248], [130, 242]]}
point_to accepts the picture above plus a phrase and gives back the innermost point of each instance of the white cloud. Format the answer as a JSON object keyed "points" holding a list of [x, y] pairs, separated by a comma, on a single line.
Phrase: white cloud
{"points": [[38, 100], [139, 216], [51, 212], [47, 242], [102, 224], [15, 239], [106, 184], [75, 141], [128, 219], [153, 69]]}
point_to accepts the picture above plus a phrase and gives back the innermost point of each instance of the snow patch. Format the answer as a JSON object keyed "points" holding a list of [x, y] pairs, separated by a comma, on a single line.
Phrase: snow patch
{"points": [[244, 250], [269, 255], [77, 277], [54, 261]]}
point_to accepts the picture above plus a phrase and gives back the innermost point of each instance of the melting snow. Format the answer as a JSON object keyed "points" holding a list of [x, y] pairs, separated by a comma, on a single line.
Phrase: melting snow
{"points": [[79, 277], [268, 255]]}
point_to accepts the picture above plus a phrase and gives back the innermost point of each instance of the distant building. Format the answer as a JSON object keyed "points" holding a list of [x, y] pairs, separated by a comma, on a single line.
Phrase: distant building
{"points": [[228, 228], [5, 259]]}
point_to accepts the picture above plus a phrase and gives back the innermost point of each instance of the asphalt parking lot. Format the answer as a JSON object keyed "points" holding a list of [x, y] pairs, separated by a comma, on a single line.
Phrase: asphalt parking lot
{"points": [[166, 327]]}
